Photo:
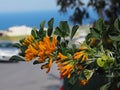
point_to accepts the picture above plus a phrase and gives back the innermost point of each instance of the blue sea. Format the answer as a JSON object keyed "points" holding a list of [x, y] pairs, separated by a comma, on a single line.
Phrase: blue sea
{"points": [[33, 19]]}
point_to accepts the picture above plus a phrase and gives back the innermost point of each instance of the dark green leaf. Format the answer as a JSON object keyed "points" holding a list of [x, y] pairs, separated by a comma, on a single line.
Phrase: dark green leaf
{"points": [[17, 58], [115, 38], [73, 79], [118, 84], [41, 34], [21, 41], [34, 33], [95, 33], [64, 27], [50, 26], [17, 45], [50, 23], [115, 45], [58, 32], [58, 38], [99, 24], [42, 24], [36, 62], [74, 29], [105, 87], [117, 25]]}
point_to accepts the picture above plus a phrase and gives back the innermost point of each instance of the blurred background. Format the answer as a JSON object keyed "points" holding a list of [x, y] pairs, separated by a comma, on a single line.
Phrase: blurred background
{"points": [[18, 17]]}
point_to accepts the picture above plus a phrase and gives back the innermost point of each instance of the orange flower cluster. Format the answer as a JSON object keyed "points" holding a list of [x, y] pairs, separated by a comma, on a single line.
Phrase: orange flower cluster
{"points": [[42, 49], [65, 65]]}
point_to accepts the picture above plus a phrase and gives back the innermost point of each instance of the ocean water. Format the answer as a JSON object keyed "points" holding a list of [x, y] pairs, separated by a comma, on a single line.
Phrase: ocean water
{"points": [[33, 19]]}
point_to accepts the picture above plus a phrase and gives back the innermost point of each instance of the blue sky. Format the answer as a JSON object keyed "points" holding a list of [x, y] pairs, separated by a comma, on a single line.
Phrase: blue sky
{"points": [[27, 5]]}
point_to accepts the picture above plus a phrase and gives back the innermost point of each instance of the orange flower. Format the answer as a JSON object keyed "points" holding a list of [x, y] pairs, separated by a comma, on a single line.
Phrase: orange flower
{"points": [[65, 67], [53, 44], [46, 48], [48, 65], [81, 55], [28, 40], [30, 53], [77, 55], [61, 57], [84, 82], [66, 70]]}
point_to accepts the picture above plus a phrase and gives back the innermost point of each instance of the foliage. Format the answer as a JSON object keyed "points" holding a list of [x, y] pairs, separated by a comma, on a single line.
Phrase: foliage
{"points": [[99, 53], [104, 8]]}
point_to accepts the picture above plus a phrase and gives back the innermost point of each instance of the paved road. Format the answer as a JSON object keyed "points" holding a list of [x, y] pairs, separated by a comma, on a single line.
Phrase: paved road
{"points": [[26, 76]]}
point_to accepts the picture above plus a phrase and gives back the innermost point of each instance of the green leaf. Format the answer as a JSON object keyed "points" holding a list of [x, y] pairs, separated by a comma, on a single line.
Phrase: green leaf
{"points": [[115, 45], [42, 24], [117, 25], [88, 73], [17, 45], [74, 29], [64, 27], [58, 38], [105, 87], [36, 62], [58, 32], [17, 58], [73, 79], [115, 38], [95, 33], [50, 26], [118, 84], [99, 24], [34, 33]]}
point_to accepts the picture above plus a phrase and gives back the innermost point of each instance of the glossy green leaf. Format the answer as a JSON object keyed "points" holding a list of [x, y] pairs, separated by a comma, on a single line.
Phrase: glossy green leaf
{"points": [[50, 26], [17, 58], [74, 29]]}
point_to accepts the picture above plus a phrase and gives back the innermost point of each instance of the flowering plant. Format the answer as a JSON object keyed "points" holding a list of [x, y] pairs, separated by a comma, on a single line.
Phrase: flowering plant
{"points": [[98, 53]]}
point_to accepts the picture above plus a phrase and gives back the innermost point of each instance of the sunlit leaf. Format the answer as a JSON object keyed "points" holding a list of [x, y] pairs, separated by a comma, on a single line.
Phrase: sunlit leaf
{"points": [[74, 29], [88, 73]]}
